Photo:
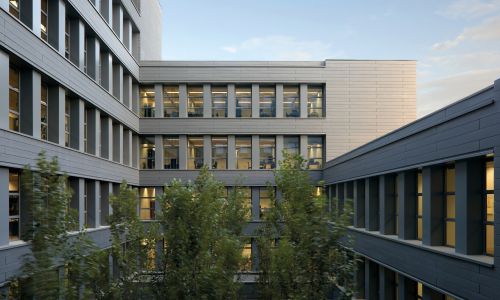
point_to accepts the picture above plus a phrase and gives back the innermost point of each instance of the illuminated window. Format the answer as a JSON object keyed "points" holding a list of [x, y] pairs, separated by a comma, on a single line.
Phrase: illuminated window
{"points": [[147, 203], [148, 153], [291, 145], [67, 122], [147, 101], [243, 153], [219, 101], [489, 208], [44, 14], [14, 206], [396, 204], [14, 100], [170, 152], [219, 152], [267, 101], [243, 102], [195, 101], [246, 265], [264, 201], [15, 8], [314, 101], [291, 102], [195, 152], [67, 38], [420, 291], [314, 152], [44, 112], [419, 205], [267, 152], [171, 101], [450, 206]]}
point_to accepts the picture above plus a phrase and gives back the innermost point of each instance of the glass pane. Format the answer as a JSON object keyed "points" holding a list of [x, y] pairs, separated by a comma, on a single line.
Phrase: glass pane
{"points": [[13, 182], [314, 101], [171, 101], [314, 152], [490, 207], [419, 228], [195, 101], [247, 257], [490, 176], [419, 205], [419, 182], [450, 206], [450, 180], [14, 101], [171, 152], [219, 101], [14, 229], [291, 101], [291, 144], [420, 292], [450, 233], [267, 152], [267, 101], [490, 239], [243, 102], [246, 193], [147, 101], [265, 201], [13, 205], [243, 153], [219, 153], [195, 153]]}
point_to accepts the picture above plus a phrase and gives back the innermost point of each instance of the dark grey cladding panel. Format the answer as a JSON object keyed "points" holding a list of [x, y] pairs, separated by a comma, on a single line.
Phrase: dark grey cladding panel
{"points": [[466, 127], [94, 19], [229, 177], [233, 126], [17, 150], [464, 278], [15, 38], [11, 257]]}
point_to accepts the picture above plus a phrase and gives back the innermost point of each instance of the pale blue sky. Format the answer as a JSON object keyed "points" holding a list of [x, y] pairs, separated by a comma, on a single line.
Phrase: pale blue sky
{"points": [[456, 42]]}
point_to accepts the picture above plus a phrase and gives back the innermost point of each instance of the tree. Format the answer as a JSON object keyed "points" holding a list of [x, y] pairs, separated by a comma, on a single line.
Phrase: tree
{"points": [[201, 230], [301, 255], [51, 246]]}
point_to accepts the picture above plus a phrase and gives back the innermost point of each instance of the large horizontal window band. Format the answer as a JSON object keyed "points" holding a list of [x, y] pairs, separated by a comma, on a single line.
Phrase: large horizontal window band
{"points": [[416, 166]]}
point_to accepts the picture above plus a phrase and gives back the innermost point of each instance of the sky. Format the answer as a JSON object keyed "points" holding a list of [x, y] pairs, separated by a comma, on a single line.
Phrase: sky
{"points": [[456, 43]]}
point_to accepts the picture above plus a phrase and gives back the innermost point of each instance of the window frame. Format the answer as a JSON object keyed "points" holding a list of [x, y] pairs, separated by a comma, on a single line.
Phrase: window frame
{"points": [[193, 109], [67, 38], [147, 105], [247, 99], [486, 193], [195, 162], [449, 194], [310, 107], [15, 194], [294, 101], [269, 162], [214, 150], [151, 199], [216, 96], [146, 160], [171, 103], [15, 11], [44, 117], [238, 151], [314, 146], [419, 205], [286, 149], [263, 99], [67, 122], [170, 147], [13, 114], [44, 34]]}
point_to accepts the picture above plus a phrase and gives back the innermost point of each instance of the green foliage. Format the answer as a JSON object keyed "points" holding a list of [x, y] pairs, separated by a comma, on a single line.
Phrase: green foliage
{"points": [[47, 198], [309, 259], [201, 230]]}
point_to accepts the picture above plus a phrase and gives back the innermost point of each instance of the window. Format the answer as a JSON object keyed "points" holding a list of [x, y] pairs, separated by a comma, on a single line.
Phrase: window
{"points": [[195, 101], [86, 130], [291, 102], [315, 101], [15, 8], [267, 152], [171, 152], [148, 153], [219, 153], [147, 203], [450, 206], [67, 38], [14, 206], [14, 100], [314, 152], [396, 204], [243, 102], [67, 122], [44, 14], [420, 292], [85, 56], [44, 113], [489, 207], [243, 153], [264, 201], [267, 102], [246, 193], [85, 203], [291, 145], [246, 265], [419, 205], [171, 101], [147, 101], [195, 153], [219, 101]]}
